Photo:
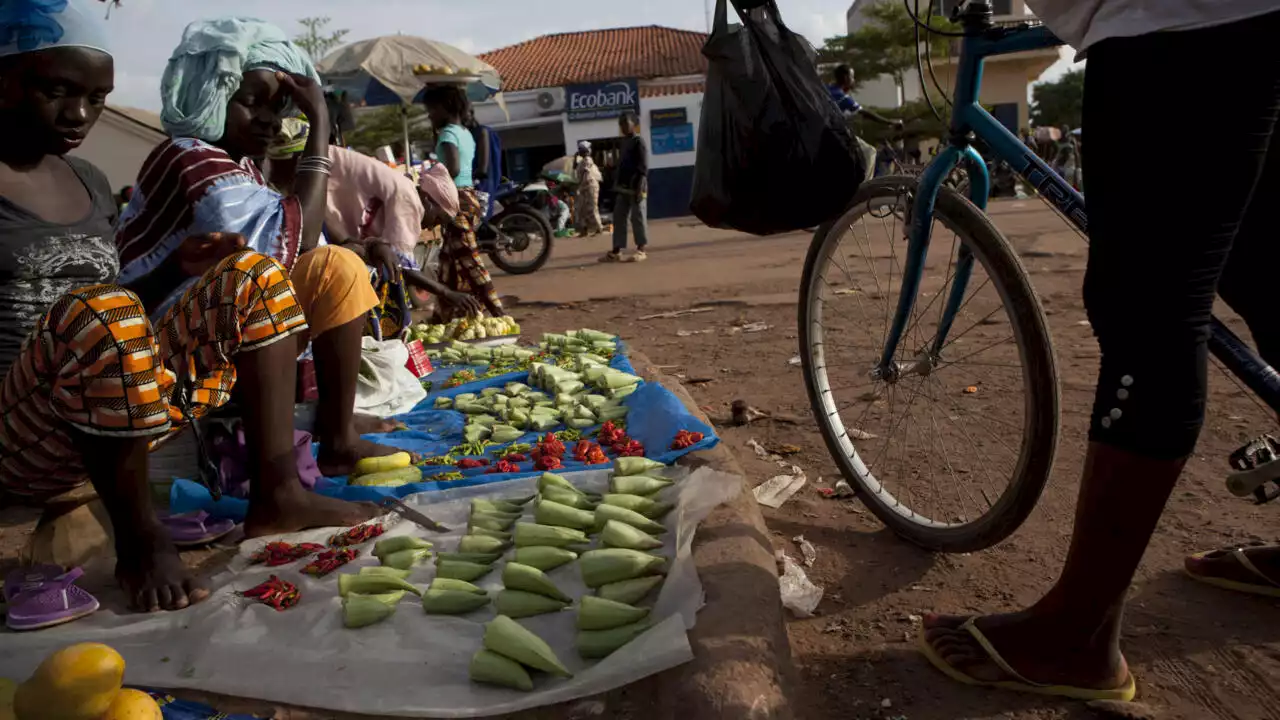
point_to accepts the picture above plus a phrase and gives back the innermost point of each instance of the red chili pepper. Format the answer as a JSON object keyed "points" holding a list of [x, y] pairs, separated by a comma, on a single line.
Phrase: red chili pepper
{"points": [[275, 554], [275, 592], [356, 535], [516, 457], [328, 561], [609, 433], [503, 466], [472, 463], [626, 447], [551, 445], [685, 439], [548, 462]]}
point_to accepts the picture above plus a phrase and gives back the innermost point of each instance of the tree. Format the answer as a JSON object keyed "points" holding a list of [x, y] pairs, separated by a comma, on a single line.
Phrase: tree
{"points": [[385, 126], [1058, 103], [886, 44], [316, 40]]}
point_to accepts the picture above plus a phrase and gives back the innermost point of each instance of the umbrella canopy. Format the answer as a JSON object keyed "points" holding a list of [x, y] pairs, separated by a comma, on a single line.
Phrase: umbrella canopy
{"points": [[559, 166], [380, 71]]}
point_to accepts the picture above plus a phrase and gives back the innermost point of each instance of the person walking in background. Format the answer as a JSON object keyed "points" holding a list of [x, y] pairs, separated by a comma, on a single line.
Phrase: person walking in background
{"points": [[632, 186], [841, 95], [587, 202]]}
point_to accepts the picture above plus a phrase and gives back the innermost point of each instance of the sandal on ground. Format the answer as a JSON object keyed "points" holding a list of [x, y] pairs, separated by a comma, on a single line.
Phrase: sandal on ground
{"points": [[195, 528], [637, 256], [611, 257], [1018, 683], [41, 599], [1264, 585]]}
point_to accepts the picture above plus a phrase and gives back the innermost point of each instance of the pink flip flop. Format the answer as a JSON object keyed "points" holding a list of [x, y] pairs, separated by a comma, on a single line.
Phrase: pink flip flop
{"points": [[37, 599], [195, 528]]}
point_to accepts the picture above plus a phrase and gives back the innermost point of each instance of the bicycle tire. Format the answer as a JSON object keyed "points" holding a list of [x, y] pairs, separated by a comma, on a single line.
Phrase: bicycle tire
{"points": [[548, 235], [1041, 392]]}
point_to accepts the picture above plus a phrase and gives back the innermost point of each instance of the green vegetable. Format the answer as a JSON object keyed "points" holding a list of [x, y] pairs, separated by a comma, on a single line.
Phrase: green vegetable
{"points": [[516, 576], [452, 602], [492, 521], [474, 433], [461, 570], [544, 557], [630, 591], [552, 480], [638, 503], [456, 585], [564, 497], [474, 530], [482, 544], [524, 499], [388, 478], [443, 403], [384, 571], [506, 433], [372, 585], [594, 644], [490, 667], [497, 506], [508, 638], [596, 613], [621, 535], [604, 513], [635, 465], [637, 484], [403, 559], [486, 420], [361, 610], [530, 534], [472, 557], [519, 603], [601, 567], [553, 513], [386, 546]]}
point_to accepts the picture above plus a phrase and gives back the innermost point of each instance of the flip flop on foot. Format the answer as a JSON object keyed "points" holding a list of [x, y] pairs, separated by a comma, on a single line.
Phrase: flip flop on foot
{"points": [[195, 528], [1011, 679], [1239, 569], [45, 596]]}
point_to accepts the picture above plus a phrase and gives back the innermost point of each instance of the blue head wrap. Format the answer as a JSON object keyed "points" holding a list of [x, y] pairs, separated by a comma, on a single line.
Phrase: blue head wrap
{"points": [[206, 68], [30, 25]]}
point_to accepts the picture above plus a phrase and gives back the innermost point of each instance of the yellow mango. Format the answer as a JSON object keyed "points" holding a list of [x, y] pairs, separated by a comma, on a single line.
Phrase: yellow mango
{"points": [[75, 683], [133, 704], [394, 461]]}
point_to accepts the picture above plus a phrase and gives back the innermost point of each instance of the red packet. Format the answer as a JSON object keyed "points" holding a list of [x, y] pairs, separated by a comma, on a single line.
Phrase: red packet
{"points": [[419, 364]]}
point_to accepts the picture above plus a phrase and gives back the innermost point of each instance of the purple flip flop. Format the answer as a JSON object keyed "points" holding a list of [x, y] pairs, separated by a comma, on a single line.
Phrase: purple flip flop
{"points": [[195, 528], [44, 596]]}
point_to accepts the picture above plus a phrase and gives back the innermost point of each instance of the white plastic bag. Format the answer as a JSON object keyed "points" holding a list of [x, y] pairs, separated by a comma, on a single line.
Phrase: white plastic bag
{"points": [[385, 386], [798, 591]]}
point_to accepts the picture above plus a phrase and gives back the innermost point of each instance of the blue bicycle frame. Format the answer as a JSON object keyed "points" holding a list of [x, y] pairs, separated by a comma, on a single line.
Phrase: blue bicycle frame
{"points": [[969, 117]]}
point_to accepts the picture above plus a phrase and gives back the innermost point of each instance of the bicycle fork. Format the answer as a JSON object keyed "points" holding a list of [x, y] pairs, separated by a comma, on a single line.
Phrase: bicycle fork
{"points": [[919, 232]]}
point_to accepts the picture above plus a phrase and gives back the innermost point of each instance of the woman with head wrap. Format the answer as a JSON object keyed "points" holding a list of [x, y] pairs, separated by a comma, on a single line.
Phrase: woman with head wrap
{"points": [[460, 265], [587, 202], [375, 212], [90, 385], [224, 92]]}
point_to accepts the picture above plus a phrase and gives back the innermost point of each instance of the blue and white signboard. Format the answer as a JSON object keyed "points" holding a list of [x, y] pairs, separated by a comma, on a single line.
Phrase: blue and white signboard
{"points": [[601, 101], [671, 139]]}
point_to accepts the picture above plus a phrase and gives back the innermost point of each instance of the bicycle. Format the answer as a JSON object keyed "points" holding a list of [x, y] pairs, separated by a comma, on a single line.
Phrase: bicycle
{"points": [[920, 347]]}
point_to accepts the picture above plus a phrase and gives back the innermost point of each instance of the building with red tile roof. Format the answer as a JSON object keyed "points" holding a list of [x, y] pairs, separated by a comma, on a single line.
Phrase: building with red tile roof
{"points": [[567, 87]]}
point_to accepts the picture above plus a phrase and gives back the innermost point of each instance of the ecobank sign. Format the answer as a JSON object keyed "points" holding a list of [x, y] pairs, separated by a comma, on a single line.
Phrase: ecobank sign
{"points": [[601, 101]]}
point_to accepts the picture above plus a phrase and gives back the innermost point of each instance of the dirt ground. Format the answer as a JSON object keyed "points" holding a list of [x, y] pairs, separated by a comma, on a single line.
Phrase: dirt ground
{"points": [[1196, 651]]}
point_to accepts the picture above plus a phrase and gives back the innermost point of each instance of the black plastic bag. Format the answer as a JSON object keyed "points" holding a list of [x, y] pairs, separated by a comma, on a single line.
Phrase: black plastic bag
{"points": [[774, 152]]}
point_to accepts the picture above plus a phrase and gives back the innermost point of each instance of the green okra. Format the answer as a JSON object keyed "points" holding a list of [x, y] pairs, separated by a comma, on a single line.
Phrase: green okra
{"points": [[520, 603], [621, 535], [517, 576], [481, 544], [605, 513], [609, 565], [544, 557], [594, 644], [452, 602], [630, 591], [553, 513], [596, 613], [489, 667], [461, 570], [510, 639]]}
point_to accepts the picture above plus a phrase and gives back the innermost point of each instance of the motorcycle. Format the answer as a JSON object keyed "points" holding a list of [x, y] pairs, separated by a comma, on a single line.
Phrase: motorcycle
{"points": [[517, 236]]}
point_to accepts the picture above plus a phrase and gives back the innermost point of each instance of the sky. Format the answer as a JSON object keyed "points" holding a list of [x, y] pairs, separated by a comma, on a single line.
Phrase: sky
{"points": [[144, 32]]}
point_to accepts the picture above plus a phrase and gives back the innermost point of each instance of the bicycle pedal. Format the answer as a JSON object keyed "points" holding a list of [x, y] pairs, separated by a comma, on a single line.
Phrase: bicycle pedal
{"points": [[1257, 463]]}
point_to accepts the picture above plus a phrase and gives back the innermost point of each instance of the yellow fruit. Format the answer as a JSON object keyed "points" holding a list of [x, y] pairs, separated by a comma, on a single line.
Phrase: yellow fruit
{"points": [[133, 705], [7, 689], [75, 683]]}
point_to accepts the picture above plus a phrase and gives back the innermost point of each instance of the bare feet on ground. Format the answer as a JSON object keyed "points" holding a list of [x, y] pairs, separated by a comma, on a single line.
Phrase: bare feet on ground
{"points": [[153, 576], [295, 509], [339, 458], [1037, 647], [374, 425]]}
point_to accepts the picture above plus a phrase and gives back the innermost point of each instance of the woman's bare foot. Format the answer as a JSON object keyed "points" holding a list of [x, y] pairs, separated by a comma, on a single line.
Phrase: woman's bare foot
{"points": [[292, 509], [1041, 648], [1224, 565], [339, 458], [374, 425], [152, 575]]}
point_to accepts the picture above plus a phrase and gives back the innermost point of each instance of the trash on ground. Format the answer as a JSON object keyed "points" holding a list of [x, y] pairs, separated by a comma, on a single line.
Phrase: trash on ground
{"points": [[675, 313], [778, 489], [690, 333], [857, 434], [799, 594], [795, 360], [971, 390], [807, 549], [785, 449], [843, 489], [847, 291], [761, 452], [754, 327]]}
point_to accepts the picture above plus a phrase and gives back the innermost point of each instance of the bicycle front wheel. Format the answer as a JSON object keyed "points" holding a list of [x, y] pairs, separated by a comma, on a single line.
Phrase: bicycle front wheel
{"points": [[950, 447]]}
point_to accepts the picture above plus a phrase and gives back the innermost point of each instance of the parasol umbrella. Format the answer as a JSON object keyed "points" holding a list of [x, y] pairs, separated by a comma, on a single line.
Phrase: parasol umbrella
{"points": [[559, 166], [395, 70]]}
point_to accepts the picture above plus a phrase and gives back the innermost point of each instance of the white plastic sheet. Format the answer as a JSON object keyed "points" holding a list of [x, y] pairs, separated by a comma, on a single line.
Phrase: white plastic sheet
{"points": [[412, 664]]}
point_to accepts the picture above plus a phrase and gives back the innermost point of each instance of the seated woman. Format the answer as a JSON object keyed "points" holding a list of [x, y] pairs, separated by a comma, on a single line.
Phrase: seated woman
{"points": [[86, 375], [460, 265], [224, 92], [372, 210]]}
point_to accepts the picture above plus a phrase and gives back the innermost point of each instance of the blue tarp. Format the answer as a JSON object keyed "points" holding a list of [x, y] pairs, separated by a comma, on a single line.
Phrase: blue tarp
{"points": [[654, 417]]}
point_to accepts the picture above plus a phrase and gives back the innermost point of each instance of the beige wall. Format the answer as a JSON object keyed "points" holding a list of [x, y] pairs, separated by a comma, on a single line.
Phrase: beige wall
{"points": [[118, 146], [1005, 78]]}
